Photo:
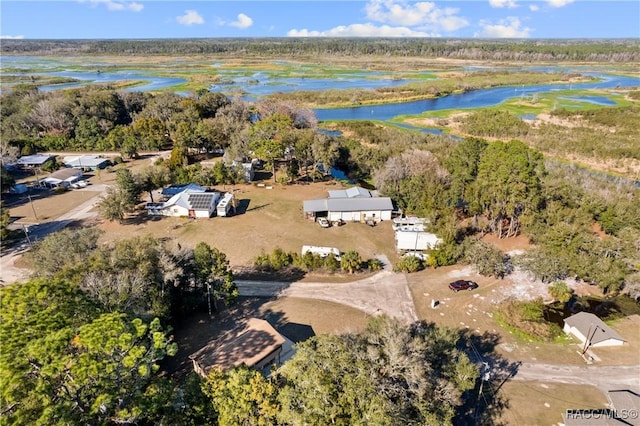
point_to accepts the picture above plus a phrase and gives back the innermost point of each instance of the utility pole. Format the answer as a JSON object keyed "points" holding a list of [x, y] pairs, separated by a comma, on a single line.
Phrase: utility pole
{"points": [[32, 207], [587, 342]]}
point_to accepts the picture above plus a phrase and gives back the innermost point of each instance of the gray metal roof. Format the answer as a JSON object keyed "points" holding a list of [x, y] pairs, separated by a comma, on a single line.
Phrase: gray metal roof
{"points": [[85, 161], [34, 160], [353, 192], [347, 204], [64, 174], [590, 324]]}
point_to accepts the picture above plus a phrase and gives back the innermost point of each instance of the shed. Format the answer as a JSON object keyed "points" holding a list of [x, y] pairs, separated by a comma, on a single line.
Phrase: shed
{"points": [[591, 330], [256, 344], [37, 160], [86, 162]]}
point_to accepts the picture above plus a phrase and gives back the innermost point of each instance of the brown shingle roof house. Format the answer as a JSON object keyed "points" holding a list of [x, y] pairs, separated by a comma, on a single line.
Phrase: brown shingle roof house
{"points": [[256, 344]]}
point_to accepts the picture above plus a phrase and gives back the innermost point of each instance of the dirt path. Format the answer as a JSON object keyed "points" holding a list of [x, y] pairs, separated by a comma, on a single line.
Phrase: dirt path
{"points": [[385, 292]]}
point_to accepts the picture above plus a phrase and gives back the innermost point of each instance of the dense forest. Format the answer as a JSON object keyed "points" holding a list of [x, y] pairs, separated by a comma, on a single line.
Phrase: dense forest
{"points": [[618, 50]]}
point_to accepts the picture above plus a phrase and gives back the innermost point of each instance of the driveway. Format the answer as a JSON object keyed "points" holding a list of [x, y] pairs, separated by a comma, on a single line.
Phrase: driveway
{"points": [[385, 292]]}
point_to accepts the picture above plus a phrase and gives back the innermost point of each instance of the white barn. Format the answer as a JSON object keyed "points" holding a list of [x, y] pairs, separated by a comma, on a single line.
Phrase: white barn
{"points": [[591, 330]]}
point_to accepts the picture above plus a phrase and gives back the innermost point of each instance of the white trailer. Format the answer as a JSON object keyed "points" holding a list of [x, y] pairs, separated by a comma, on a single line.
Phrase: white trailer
{"points": [[322, 251], [223, 207]]}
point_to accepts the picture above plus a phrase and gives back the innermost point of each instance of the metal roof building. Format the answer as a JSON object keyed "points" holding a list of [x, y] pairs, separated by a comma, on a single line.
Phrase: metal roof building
{"points": [[349, 209], [86, 162]]}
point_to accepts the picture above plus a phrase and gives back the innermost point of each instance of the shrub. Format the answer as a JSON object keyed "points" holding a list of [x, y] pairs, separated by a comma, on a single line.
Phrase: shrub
{"points": [[408, 264], [374, 265], [526, 317]]}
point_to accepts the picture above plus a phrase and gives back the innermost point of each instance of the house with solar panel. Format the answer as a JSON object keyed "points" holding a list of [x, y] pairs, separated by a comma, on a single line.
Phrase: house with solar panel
{"points": [[188, 203]]}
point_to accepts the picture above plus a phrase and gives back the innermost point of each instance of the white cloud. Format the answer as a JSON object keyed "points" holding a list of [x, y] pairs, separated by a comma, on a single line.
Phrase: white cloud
{"points": [[503, 3], [559, 3], [243, 21], [534, 7], [424, 14], [505, 28], [190, 17], [11, 37], [361, 30], [117, 5]]}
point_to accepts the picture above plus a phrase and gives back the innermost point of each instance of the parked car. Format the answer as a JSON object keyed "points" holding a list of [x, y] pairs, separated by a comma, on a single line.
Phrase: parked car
{"points": [[324, 222], [462, 285]]}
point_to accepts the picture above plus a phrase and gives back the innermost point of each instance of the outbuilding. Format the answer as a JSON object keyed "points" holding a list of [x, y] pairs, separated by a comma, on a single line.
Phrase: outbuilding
{"points": [[256, 344], [63, 177], [591, 331], [37, 160], [86, 162]]}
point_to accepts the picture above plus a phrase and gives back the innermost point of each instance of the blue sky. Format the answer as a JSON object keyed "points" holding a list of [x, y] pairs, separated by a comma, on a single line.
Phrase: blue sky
{"points": [[313, 18]]}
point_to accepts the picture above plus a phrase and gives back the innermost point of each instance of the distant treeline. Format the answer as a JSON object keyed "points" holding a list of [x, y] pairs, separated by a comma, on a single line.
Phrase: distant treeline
{"points": [[530, 50]]}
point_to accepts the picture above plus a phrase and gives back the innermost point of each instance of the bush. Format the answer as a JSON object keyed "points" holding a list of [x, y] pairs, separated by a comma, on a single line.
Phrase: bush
{"points": [[527, 317], [374, 265], [446, 254], [278, 259], [408, 264]]}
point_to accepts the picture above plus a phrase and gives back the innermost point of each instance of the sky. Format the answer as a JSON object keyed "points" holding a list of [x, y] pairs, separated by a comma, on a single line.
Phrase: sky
{"points": [[126, 19]]}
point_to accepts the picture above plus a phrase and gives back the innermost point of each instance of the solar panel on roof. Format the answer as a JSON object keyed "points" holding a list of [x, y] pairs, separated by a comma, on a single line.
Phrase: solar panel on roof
{"points": [[200, 201]]}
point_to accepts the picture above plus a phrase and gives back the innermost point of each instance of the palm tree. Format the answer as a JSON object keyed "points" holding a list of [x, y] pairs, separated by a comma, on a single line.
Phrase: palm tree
{"points": [[351, 261]]}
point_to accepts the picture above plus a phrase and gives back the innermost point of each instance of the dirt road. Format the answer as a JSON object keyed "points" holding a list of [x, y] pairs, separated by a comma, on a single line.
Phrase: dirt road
{"points": [[603, 377]]}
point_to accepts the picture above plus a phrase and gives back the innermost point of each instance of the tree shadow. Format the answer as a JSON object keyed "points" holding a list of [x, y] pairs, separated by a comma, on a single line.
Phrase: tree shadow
{"points": [[288, 275], [485, 404]]}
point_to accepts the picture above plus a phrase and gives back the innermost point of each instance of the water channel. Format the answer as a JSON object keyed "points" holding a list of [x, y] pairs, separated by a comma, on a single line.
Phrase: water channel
{"points": [[255, 85]]}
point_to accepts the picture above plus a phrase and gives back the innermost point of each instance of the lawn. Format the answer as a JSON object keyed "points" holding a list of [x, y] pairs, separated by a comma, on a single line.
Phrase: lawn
{"points": [[270, 218], [538, 403]]}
